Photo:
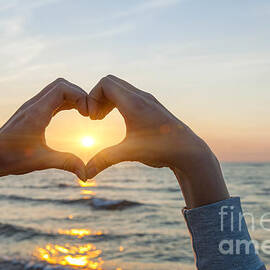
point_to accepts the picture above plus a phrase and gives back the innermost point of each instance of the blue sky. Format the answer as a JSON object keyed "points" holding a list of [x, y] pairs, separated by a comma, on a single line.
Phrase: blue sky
{"points": [[207, 61]]}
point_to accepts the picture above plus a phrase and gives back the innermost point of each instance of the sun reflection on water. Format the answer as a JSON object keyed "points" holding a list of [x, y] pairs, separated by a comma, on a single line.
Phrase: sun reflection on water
{"points": [[89, 183], [79, 232], [88, 192], [84, 257], [76, 256]]}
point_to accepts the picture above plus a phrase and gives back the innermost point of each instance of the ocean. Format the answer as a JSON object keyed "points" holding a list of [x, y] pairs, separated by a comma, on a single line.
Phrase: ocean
{"points": [[127, 218]]}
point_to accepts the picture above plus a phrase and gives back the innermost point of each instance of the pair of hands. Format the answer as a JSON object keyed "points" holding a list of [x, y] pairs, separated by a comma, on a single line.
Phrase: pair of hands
{"points": [[154, 136]]}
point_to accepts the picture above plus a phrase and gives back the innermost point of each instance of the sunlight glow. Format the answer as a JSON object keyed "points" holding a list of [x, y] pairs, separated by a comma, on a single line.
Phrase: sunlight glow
{"points": [[79, 232], [80, 256], [88, 141], [91, 183], [88, 192]]}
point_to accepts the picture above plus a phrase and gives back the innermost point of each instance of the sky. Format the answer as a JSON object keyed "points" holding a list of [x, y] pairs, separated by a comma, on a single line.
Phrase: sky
{"points": [[207, 61]]}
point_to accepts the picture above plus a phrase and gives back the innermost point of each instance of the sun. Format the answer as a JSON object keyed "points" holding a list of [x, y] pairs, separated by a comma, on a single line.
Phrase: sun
{"points": [[87, 141]]}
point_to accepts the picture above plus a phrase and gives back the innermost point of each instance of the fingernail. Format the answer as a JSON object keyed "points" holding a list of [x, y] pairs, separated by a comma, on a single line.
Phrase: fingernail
{"points": [[91, 172]]}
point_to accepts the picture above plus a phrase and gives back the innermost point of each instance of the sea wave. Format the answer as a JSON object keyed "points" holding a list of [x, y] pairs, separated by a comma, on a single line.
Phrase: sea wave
{"points": [[53, 186], [95, 203], [99, 187], [20, 232], [7, 264]]}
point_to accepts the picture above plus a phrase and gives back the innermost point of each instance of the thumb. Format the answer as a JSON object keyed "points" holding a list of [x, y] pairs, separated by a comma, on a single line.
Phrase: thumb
{"points": [[106, 158], [67, 162]]}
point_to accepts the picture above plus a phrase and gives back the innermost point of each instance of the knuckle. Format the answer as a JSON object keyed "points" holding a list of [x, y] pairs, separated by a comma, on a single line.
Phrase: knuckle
{"points": [[58, 80], [60, 85], [104, 80], [59, 88], [110, 76]]}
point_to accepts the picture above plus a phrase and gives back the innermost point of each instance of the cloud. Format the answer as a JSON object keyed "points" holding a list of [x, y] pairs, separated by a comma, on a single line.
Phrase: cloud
{"points": [[11, 27], [21, 49], [18, 47]]}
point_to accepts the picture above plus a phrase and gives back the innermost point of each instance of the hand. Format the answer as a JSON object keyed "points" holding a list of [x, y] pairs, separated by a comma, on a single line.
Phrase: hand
{"points": [[156, 138], [23, 147], [153, 135]]}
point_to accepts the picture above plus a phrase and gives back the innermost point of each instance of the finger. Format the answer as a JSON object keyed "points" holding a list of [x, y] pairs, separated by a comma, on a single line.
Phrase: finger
{"points": [[62, 96], [66, 95], [128, 85], [43, 92], [121, 81], [34, 99], [108, 94], [106, 158], [82, 108], [67, 162], [62, 108], [98, 110]]}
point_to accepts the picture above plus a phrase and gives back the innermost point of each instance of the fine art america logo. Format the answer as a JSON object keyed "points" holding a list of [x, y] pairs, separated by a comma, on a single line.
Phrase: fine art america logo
{"points": [[233, 225]]}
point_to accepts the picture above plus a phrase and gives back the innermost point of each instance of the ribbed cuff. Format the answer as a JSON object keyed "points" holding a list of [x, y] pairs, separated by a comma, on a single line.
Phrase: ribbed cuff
{"points": [[220, 237]]}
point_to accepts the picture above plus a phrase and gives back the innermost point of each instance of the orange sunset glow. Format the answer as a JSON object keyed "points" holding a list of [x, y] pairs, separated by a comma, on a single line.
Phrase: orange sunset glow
{"points": [[80, 233], [229, 140], [85, 257], [84, 137]]}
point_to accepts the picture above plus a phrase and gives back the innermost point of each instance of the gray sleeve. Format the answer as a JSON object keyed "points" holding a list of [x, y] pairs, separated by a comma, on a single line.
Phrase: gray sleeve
{"points": [[220, 237]]}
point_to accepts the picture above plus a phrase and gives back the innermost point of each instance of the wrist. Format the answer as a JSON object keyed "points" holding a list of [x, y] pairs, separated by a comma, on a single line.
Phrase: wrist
{"points": [[201, 178]]}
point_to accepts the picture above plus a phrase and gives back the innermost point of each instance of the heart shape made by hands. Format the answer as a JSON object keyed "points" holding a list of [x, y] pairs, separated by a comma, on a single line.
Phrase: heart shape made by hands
{"points": [[151, 136], [68, 129]]}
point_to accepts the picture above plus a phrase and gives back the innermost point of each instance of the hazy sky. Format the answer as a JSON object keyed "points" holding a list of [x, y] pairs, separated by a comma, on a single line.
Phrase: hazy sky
{"points": [[207, 61]]}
